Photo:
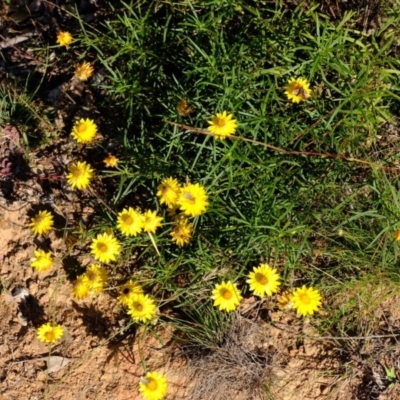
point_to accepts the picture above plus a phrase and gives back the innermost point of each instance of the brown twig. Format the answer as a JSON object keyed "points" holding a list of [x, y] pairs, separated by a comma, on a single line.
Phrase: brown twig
{"points": [[92, 191], [305, 336], [290, 152], [11, 42], [349, 337]]}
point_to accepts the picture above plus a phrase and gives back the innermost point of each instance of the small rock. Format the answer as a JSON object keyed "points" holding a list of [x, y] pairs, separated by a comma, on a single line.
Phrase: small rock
{"points": [[41, 376], [34, 288], [14, 327]]}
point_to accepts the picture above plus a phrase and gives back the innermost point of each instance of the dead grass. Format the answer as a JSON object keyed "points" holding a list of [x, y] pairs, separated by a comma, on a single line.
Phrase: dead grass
{"points": [[236, 369]]}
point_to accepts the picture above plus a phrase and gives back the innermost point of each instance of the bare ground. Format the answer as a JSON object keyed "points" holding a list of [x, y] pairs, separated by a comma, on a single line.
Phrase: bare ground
{"points": [[105, 359]]}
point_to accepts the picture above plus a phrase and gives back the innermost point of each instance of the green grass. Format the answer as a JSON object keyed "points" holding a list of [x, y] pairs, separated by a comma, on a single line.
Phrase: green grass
{"points": [[323, 219], [264, 204]]}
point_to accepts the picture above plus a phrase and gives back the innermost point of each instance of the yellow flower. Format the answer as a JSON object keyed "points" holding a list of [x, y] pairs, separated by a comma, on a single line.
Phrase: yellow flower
{"points": [[168, 192], [298, 90], [48, 333], [141, 307], [264, 280], [182, 231], [193, 199], [153, 386], [222, 125], [105, 248], [84, 130], [306, 300], [84, 71], [42, 261], [226, 296], [80, 289], [80, 175], [130, 222], [111, 161], [396, 235], [151, 221], [285, 301], [127, 290], [42, 222], [95, 279], [64, 39]]}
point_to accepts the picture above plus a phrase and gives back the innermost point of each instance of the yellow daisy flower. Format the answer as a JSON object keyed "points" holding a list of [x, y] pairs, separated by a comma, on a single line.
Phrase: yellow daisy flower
{"points": [[80, 175], [298, 89], [193, 199], [80, 288], [84, 71], [127, 290], [151, 221], [264, 280], [141, 307], [105, 248], [111, 161], [182, 231], [306, 300], [222, 125], [226, 296], [95, 278], [396, 235], [168, 192], [130, 222], [84, 130], [285, 300], [64, 38], [153, 386], [48, 333], [42, 222], [42, 260]]}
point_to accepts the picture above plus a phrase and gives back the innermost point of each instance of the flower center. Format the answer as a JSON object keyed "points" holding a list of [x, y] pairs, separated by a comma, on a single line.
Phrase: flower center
{"points": [[77, 173], [226, 294], [138, 307], [126, 291], [92, 276], [261, 278], [49, 335], [220, 122], [82, 128], [102, 247], [305, 299], [189, 198], [152, 385], [128, 219], [297, 86], [44, 261]]}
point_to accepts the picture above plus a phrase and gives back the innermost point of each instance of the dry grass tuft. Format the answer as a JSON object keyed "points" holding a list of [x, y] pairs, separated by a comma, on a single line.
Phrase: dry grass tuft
{"points": [[238, 368]]}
